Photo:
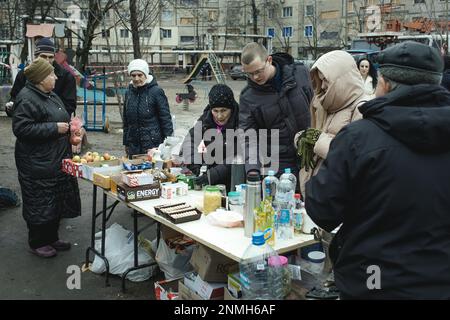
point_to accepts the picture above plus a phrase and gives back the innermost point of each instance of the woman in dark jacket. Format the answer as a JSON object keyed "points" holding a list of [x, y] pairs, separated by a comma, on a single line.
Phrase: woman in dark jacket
{"points": [[146, 116], [222, 113], [41, 125]]}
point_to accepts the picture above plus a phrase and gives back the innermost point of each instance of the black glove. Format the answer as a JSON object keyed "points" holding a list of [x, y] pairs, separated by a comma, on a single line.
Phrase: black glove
{"points": [[201, 180], [305, 147]]}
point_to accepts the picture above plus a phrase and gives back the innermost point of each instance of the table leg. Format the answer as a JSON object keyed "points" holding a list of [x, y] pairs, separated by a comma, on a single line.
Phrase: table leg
{"points": [[136, 252]]}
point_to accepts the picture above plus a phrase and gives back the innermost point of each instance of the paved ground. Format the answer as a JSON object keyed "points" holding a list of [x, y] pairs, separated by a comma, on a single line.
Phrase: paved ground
{"points": [[25, 276]]}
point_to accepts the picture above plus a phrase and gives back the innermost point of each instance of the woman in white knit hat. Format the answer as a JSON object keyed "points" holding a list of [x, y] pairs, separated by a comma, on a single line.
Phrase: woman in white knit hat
{"points": [[146, 116]]}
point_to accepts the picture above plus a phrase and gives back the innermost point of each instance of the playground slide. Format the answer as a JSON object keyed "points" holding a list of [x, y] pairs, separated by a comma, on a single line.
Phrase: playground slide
{"points": [[196, 70]]}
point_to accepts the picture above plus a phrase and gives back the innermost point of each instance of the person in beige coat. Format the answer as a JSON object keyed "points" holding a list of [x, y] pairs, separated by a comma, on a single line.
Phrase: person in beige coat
{"points": [[338, 91]]}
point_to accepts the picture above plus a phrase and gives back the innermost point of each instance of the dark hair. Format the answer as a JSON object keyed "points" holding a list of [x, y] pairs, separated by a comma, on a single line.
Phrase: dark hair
{"points": [[372, 71], [446, 62]]}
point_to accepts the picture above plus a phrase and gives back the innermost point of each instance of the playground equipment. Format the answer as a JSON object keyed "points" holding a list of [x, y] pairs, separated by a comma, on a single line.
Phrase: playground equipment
{"points": [[186, 98], [91, 113]]}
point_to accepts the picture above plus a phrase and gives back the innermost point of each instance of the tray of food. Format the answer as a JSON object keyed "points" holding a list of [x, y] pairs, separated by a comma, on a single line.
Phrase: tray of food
{"points": [[178, 212]]}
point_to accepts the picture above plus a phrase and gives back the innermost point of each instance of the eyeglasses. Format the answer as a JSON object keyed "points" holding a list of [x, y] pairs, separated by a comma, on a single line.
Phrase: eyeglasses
{"points": [[256, 72], [44, 56]]}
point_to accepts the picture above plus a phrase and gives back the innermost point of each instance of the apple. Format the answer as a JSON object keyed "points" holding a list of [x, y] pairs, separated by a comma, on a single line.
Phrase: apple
{"points": [[89, 158], [106, 156], [102, 159], [76, 159], [88, 153], [95, 154], [96, 158], [83, 160]]}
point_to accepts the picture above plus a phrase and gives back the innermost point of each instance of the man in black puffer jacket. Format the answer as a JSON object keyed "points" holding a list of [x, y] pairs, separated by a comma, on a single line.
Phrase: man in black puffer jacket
{"points": [[65, 86], [277, 97], [146, 115], [386, 179]]}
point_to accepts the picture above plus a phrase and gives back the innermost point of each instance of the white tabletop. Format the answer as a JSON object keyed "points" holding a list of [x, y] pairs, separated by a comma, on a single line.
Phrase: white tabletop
{"points": [[230, 242]]}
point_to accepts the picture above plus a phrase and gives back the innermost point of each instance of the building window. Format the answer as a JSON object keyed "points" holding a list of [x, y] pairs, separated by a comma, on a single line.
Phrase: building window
{"points": [[185, 39], [350, 6], [166, 33], [106, 33], [419, 1], [287, 12], [309, 12], [185, 21], [270, 13], [124, 33], [166, 15], [271, 32], [145, 33], [309, 31], [213, 15], [287, 32]]}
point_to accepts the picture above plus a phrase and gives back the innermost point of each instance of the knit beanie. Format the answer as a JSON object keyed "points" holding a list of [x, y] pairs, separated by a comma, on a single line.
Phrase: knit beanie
{"points": [[38, 70], [221, 96], [138, 65], [44, 45], [411, 63]]}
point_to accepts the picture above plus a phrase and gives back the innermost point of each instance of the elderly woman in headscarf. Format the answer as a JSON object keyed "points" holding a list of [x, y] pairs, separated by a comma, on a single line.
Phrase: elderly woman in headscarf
{"points": [[338, 91], [41, 125], [146, 115], [220, 115]]}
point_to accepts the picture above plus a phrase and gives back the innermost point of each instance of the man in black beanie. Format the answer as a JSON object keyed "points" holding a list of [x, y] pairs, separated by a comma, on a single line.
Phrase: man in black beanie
{"points": [[386, 183], [65, 86]]}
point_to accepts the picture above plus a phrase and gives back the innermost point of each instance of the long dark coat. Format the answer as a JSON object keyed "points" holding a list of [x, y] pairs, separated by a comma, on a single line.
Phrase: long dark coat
{"points": [[48, 194]]}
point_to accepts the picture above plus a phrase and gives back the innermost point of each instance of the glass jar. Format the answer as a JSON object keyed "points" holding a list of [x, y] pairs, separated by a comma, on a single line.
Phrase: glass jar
{"points": [[212, 199]]}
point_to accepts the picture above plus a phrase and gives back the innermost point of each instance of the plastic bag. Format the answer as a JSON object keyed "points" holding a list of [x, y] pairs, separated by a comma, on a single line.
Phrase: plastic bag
{"points": [[174, 264], [119, 250], [224, 218]]}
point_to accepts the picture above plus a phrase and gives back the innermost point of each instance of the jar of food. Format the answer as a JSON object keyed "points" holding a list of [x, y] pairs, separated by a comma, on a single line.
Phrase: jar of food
{"points": [[280, 276], [212, 199]]}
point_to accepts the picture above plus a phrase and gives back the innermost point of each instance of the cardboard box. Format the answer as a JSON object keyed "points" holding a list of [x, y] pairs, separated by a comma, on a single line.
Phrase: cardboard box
{"points": [[142, 156], [209, 290], [185, 293], [228, 296], [166, 289], [171, 190], [137, 164], [103, 181], [149, 191], [114, 181], [109, 167], [211, 265], [72, 168], [234, 285], [136, 178]]}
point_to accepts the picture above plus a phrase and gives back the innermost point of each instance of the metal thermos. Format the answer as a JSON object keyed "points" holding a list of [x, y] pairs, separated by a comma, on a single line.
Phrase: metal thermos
{"points": [[252, 200]]}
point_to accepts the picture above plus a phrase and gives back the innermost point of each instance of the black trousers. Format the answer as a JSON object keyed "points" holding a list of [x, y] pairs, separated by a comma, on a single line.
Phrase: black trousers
{"points": [[40, 235]]}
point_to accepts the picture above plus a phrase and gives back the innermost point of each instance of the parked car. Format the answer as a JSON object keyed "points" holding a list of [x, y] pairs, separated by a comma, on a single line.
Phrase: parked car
{"points": [[237, 73]]}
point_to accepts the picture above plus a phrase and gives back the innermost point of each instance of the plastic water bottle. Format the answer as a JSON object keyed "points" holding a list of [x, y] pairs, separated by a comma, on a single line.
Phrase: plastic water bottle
{"points": [[288, 174], [255, 271], [285, 193], [297, 214], [270, 184], [285, 230]]}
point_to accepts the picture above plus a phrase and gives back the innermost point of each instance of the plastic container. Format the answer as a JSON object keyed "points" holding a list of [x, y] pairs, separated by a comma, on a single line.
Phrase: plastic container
{"points": [[212, 199], [316, 262], [235, 202], [255, 271], [280, 276], [269, 185]]}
